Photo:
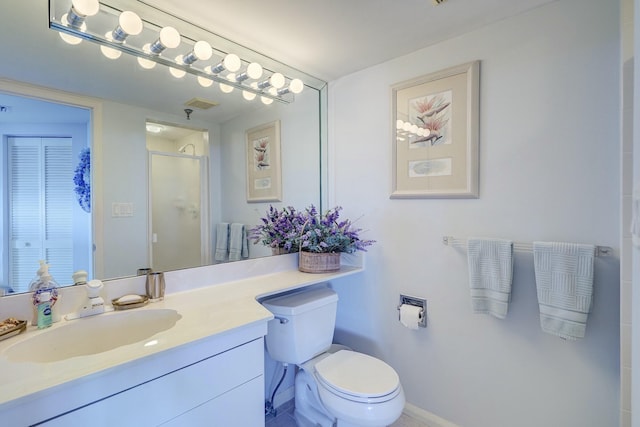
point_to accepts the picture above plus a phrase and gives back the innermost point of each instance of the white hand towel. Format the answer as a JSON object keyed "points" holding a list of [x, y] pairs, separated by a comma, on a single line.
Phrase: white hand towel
{"points": [[238, 245], [245, 244], [222, 241], [564, 281], [490, 275]]}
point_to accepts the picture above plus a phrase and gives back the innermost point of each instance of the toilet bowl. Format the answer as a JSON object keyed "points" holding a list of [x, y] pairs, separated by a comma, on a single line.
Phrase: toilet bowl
{"points": [[334, 384], [353, 388]]}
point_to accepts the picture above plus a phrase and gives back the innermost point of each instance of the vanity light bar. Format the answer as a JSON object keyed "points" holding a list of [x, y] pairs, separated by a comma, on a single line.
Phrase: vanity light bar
{"points": [[97, 26]]}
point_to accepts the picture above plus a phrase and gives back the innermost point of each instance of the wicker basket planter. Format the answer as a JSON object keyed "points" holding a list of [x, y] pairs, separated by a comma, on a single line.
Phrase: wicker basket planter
{"points": [[312, 262], [279, 251]]}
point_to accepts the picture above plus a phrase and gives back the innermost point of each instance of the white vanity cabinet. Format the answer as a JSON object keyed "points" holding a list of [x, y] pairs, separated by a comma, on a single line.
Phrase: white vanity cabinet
{"points": [[206, 370], [221, 390]]}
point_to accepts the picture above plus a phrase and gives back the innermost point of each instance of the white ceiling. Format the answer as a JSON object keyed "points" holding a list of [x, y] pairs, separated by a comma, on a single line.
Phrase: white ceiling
{"points": [[332, 38]]}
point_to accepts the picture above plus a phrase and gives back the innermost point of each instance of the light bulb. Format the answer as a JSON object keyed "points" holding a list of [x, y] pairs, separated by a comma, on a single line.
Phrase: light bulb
{"points": [[176, 72], [265, 100], [129, 24], [277, 80], [145, 63], [414, 129], [204, 82], [225, 87], [232, 62], [399, 124], [406, 126], [110, 52], [169, 38], [254, 71], [250, 96], [296, 86], [79, 10], [69, 39], [85, 7], [201, 51]]}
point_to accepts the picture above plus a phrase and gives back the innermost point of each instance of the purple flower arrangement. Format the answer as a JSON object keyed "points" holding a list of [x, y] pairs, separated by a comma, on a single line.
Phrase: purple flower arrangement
{"points": [[309, 231], [279, 229]]}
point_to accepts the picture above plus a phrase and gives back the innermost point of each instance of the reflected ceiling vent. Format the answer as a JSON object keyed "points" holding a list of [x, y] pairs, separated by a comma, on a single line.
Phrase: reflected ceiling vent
{"points": [[202, 104]]}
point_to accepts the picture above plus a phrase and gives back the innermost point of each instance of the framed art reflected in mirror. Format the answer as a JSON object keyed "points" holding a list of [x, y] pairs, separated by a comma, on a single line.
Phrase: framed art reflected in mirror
{"points": [[264, 175]]}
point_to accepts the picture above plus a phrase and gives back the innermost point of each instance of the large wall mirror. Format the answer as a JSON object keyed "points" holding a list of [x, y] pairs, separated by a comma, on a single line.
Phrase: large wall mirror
{"points": [[50, 85]]}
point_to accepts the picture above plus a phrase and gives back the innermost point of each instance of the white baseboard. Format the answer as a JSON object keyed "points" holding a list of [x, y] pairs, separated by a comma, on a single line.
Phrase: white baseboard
{"points": [[412, 411], [426, 417]]}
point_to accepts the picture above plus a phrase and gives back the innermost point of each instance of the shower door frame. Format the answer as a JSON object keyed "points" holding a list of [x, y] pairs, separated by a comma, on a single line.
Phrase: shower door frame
{"points": [[205, 246]]}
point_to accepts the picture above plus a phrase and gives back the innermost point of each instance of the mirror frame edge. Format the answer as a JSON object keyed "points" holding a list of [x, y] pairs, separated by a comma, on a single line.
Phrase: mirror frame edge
{"points": [[43, 93], [325, 181]]}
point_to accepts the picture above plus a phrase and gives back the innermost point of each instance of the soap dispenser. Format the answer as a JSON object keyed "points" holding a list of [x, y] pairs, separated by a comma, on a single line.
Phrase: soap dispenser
{"points": [[45, 291], [43, 310]]}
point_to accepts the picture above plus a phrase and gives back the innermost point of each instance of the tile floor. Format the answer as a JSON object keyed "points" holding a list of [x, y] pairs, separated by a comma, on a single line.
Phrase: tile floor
{"points": [[284, 418]]}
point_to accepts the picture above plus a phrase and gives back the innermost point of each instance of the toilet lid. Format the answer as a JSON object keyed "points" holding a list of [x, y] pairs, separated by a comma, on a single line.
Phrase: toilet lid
{"points": [[357, 374]]}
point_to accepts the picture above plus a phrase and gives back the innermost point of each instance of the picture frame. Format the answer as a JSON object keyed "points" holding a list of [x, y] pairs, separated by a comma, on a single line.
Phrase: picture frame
{"points": [[435, 134], [264, 172]]}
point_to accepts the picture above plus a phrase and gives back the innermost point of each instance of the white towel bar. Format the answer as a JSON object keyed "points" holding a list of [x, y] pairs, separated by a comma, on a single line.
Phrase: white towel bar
{"points": [[520, 246]]}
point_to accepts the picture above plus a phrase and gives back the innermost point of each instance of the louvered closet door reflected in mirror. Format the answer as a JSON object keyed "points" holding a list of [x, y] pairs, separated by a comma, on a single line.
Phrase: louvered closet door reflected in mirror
{"points": [[40, 226]]}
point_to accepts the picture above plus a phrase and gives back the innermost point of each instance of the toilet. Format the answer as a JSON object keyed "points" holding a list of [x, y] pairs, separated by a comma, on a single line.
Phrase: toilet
{"points": [[334, 385]]}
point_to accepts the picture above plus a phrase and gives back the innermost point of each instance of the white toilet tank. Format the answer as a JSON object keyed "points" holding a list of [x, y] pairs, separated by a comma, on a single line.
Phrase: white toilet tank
{"points": [[304, 323]]}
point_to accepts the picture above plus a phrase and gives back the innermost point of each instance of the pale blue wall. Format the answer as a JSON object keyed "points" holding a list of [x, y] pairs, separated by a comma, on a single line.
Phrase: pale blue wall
{"points": [[549, 170]]}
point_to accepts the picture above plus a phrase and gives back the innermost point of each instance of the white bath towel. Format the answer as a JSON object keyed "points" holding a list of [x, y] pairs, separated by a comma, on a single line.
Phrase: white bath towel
{"points": [[222, 241], [564, 281], [490, 275], [238, 244]]}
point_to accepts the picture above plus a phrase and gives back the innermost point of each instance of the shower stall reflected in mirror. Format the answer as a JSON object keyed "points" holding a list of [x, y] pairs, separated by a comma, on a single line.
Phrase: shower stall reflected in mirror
{"points": [[178, 197]]}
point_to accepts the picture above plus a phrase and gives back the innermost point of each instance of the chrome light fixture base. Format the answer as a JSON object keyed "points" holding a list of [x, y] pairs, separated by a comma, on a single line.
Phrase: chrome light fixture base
{"points": [[147, 45]]}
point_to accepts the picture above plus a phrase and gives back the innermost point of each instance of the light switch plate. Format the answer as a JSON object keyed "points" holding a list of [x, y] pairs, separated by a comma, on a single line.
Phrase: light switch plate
{"points": [[121, 210]]}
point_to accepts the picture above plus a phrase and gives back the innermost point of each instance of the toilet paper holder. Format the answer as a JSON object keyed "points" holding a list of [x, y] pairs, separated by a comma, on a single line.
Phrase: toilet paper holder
{"points": [[418, 302]]}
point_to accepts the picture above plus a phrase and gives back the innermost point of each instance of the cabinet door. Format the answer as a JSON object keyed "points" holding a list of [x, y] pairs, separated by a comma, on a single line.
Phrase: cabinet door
{"points": [[241, 406], [166, 397]]}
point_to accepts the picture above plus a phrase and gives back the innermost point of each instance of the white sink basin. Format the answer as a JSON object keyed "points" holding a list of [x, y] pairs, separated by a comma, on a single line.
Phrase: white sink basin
{"points": [[92, 335]]}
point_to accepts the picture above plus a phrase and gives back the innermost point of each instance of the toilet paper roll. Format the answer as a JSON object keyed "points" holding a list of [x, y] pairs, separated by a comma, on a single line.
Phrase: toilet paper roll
{"points": [[410, 315]]}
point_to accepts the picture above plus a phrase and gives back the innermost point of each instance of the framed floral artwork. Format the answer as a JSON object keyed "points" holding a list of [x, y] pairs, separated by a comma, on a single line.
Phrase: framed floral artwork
{"points": [[435, 134], [264, 175]]}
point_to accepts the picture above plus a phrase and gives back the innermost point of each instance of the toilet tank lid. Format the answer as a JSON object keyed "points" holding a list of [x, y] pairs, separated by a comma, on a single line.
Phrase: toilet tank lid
{"points": [[300, 301]]}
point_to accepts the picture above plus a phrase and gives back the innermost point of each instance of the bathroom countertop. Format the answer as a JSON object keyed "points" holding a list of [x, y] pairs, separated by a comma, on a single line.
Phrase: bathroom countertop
{"points": [[213, 311]]}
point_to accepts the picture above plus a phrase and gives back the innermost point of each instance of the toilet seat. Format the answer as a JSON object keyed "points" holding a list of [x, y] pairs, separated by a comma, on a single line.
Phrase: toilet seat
{"points": [[357, 377]]}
